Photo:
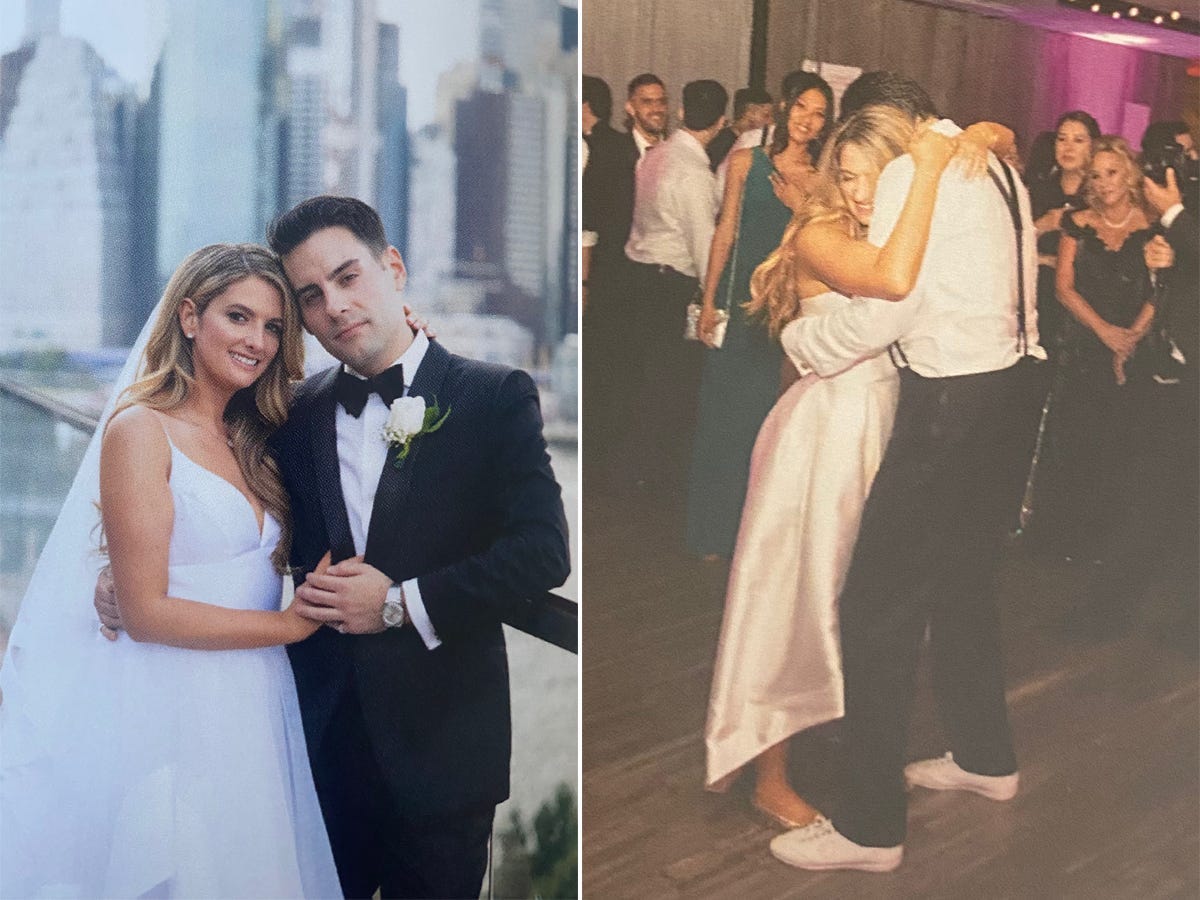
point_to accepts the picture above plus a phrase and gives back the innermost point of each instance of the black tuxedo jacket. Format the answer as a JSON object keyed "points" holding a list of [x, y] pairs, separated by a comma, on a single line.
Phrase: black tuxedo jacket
{"points": [[473, 513], [607, 195], [1182, 295]]}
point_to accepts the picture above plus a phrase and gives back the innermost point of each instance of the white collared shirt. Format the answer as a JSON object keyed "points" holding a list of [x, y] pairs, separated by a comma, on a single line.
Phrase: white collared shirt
{"points": [[960, 317], [642, 143], [362, 454], [675, 207]]}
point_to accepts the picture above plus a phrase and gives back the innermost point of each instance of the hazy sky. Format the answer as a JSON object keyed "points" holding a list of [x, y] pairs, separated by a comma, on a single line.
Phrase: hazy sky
{"points": [[128, 33]]}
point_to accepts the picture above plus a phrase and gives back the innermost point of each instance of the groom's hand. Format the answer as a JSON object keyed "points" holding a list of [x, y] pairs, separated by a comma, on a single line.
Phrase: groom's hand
{"points": [[105, 601], [349, 594]]}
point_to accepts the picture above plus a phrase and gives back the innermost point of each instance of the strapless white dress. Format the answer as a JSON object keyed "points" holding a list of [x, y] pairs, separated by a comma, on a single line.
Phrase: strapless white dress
{"points": [[147, 770], [778, 667]]}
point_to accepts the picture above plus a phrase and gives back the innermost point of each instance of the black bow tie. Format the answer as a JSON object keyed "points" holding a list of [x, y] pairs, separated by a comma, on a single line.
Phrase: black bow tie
{"points": [[353, 392]]}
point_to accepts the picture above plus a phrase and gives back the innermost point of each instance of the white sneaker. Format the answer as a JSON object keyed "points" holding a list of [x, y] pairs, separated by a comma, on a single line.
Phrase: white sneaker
{"points": [[944, 774], [820, 846]]}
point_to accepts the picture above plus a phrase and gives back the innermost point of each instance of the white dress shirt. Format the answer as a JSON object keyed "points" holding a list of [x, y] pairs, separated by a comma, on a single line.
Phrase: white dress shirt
{"points": [[586, 238], [960, 317], [362, 454], [642, 143], [676, 205], [1170, 215]]}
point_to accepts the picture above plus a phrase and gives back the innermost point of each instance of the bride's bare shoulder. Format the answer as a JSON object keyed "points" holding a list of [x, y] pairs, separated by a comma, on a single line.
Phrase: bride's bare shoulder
{"points": [[138, 430]]}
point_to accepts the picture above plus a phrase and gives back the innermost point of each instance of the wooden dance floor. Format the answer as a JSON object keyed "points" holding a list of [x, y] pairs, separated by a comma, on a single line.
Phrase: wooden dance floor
{"points": [[1107, 730]]}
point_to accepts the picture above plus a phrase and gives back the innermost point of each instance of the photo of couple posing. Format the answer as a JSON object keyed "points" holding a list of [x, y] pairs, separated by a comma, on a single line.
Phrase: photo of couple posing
{"points": [[195, 757]]}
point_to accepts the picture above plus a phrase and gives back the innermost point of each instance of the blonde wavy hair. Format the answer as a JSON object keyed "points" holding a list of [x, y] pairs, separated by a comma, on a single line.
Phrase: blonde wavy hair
{"points": [[882, 133], [1110, 143], [167, 373]]}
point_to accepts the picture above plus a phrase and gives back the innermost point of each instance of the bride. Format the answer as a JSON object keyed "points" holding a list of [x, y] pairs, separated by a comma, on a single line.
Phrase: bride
{"points": [[778, 667], [172, 765]]}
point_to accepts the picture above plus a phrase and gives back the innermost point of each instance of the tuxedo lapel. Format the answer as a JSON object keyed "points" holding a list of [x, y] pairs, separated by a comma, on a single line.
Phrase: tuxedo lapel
{"points": [[396, 482], [322, 431]]}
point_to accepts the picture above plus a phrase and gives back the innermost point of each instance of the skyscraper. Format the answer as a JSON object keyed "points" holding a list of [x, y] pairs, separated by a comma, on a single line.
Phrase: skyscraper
{"points": [[65, 144], [392, 166], [217, 181]]}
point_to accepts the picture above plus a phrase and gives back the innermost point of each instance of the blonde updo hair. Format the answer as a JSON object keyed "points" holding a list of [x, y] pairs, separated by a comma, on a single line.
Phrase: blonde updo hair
{"points": [[1111, 143], [167, 372], [881, 133]]}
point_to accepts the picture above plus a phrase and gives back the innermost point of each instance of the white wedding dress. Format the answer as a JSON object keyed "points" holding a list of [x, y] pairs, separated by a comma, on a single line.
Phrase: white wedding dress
{"points": [[778, 669], [131, 770]]}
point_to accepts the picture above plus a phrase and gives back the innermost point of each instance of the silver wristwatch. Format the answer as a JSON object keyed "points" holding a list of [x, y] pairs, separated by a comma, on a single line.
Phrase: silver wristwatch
{"points": [[395, 614]]}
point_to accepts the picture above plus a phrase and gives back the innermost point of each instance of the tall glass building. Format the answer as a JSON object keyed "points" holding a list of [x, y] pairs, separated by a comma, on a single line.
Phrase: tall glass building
{"points": [[214, 128]]}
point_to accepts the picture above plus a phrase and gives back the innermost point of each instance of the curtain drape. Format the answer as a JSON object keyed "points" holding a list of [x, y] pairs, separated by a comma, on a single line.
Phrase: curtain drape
{"points": [[678, 40]]}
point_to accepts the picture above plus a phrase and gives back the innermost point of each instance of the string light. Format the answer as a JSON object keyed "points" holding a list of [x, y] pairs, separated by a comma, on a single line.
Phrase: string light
{"points": [[1133, 10]]}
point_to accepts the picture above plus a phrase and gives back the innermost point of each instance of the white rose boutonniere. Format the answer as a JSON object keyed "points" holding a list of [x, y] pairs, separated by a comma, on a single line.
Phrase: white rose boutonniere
{"points": [[409, 419]]}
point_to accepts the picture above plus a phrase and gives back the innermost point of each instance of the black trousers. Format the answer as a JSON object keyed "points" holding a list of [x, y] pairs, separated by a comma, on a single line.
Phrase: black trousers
{"points": [[926, 557], [662, 415], [375, 845]]}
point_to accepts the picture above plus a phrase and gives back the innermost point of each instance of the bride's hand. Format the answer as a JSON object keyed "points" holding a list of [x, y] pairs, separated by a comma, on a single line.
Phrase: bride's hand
{"points": [[971, 154], [931, 151], [303, 627], [416, 323]]}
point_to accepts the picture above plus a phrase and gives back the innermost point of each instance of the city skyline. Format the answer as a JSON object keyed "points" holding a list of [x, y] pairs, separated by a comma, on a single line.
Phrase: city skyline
{"points": [[128, 36]]}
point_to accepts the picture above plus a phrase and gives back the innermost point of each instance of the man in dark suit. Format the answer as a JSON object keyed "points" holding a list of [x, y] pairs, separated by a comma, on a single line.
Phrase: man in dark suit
{"points": [[435, 538], [606, 207]]}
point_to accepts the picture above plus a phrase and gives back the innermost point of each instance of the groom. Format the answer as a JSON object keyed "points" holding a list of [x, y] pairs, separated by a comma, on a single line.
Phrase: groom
{"points": [[932, 528], [405, 697]]}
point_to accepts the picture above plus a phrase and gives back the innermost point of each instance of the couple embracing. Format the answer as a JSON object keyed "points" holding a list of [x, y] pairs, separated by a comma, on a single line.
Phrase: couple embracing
{"points": [[883, 481], [409, 493]]}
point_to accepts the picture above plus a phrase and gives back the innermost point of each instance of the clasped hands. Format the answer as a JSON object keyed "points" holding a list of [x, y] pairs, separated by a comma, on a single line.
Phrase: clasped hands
{"points": [[347, 596]]}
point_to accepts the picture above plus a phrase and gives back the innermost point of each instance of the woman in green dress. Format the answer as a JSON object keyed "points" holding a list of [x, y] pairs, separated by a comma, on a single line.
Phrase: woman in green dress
{"points": [[741, 380]]}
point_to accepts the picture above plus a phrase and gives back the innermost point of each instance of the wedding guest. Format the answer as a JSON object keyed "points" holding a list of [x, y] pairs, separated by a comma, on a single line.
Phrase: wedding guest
{"points": [[674, 217], [762, 137], [646, 111], [1103, 284], [1055, 193], [752, 110], [1160, 544], [740, 382]]}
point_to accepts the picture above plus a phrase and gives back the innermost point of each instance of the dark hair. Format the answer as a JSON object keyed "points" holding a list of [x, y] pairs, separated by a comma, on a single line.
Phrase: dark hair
{"points": [[641, 81], [795, 84], [296, 225], [704, 103], [887, 89], [748, 96], [598, 97], [1162, 134], [1039, 165], [1083, 118]]}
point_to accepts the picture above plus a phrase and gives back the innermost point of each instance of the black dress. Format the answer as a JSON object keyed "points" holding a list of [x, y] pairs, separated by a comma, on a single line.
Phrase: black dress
{"points": [[1044, 195], [1081, 489]]}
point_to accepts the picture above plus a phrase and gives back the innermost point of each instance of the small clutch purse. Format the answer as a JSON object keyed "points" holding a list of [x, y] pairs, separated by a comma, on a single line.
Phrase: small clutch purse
{"points": [[691, 328]]}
